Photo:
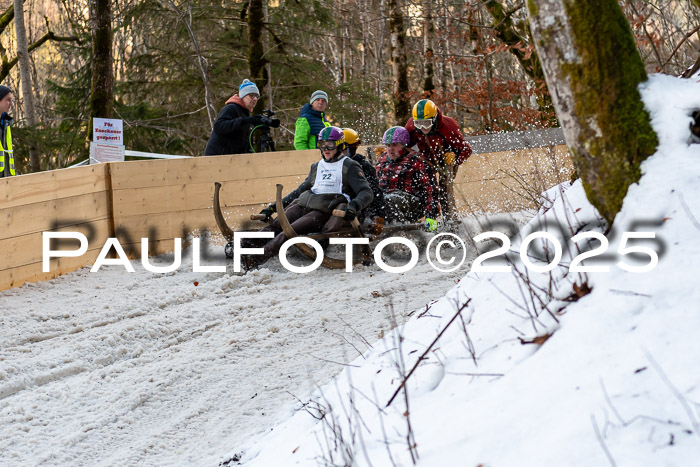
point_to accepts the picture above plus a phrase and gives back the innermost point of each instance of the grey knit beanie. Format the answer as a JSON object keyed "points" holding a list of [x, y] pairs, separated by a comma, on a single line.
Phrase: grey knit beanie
{"points": [[247, 87], [318, 95]]}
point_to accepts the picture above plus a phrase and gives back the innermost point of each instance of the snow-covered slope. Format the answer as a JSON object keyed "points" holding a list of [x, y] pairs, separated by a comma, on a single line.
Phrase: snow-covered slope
{"points": [[615, 384], [112, 368], [188, 368]]}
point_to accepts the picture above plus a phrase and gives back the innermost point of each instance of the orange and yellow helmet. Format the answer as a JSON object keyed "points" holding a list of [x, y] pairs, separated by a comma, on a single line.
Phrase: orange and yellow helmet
{"points": [[351, 136]]}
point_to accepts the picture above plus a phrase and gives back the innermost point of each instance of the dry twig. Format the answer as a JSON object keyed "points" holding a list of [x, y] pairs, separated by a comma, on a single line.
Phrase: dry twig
{"points": [[428, 349]]}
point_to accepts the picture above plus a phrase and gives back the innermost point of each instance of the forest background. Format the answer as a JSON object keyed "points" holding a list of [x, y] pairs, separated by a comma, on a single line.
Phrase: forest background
{"points": [[166, 67]]}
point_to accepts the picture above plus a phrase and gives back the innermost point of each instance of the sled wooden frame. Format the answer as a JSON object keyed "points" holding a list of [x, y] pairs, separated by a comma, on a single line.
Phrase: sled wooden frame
{"points": [[289, 232], [328, 262], [219, 217]]}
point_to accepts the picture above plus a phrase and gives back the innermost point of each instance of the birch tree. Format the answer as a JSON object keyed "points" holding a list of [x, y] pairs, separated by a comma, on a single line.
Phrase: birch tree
{"points": [[7, 63], [26, 81], [592, 69]]}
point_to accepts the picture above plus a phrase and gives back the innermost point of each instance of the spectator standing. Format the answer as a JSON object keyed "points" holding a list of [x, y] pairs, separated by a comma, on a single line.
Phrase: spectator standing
{"points": [[7, 158], [231, 134], [311, 121]]}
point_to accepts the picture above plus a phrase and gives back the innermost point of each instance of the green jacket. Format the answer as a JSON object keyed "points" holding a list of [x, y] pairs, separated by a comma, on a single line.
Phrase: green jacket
{"points": [[309, 124]]}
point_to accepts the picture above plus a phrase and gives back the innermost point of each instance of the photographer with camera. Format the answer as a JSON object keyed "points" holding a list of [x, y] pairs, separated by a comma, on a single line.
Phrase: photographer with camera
{"points": [[234, 125]]}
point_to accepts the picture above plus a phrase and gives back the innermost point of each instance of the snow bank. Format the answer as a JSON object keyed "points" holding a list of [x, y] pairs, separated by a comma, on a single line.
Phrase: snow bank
{"points": [[614, 384], [191, 369]]}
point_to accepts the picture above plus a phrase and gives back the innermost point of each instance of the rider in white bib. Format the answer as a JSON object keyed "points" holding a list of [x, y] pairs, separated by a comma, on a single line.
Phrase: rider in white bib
{"points": [[334, 182], [329, 178]]}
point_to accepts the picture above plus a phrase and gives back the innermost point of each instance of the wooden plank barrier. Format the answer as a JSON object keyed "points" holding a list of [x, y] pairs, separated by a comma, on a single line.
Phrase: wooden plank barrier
{"points": [[166, 199], [510, 181], [174, 200], [75, 199]]}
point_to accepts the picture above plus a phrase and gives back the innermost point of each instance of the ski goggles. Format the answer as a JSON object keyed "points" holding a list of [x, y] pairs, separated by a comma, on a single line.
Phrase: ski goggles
{"points": [[326, 146], [424, 124]]}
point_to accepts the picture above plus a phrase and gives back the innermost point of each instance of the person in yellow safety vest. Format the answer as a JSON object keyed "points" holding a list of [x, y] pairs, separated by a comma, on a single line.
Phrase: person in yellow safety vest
{"points": [[7, 158]]}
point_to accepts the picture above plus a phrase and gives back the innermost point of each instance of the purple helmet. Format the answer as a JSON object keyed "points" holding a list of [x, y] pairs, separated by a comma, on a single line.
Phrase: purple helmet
{"points": [[397, 134], [332, 133]]}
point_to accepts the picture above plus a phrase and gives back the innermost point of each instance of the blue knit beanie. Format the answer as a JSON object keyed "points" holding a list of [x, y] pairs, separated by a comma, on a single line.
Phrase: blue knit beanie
{"points": [[247, 87], [318, 95]]}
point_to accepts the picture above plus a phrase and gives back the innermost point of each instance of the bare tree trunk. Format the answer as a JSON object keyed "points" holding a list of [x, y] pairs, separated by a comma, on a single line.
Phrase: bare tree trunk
{"points": [[592, 69], [25, 78], [490, 121], [507, 32], [256, 50], [429, 57], [338, 32], [268, 66], [365, 43], [8, 63], [101, 88], [344, 48], [186, 18], [444, 48], [381, 87], [399, 62]]}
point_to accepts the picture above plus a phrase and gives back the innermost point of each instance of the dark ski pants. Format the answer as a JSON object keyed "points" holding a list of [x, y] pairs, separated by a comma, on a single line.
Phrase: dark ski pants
{"points": [[403, 207], [303, 220]]}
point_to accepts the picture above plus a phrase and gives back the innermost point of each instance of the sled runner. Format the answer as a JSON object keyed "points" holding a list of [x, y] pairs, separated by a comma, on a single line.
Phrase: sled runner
{"points": [[355, 230]]}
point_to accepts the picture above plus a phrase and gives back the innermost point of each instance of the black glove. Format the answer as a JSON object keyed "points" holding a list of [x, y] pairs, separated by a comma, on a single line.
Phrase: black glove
{"points": [[268, 212], [254, 120], [350, 214]]}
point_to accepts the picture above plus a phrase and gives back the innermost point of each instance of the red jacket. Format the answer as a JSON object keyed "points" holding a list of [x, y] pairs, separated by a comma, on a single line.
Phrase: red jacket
{"points": [[443, 137], [411, 175]]}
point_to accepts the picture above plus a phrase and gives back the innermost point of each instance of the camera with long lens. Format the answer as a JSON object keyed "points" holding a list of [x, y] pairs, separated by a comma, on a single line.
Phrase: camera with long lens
{"points": [[267, 120]]}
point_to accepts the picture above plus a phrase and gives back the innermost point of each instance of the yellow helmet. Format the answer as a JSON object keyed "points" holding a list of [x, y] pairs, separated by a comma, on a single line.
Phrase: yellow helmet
{"points": [[351, 136], [424, 109]]}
